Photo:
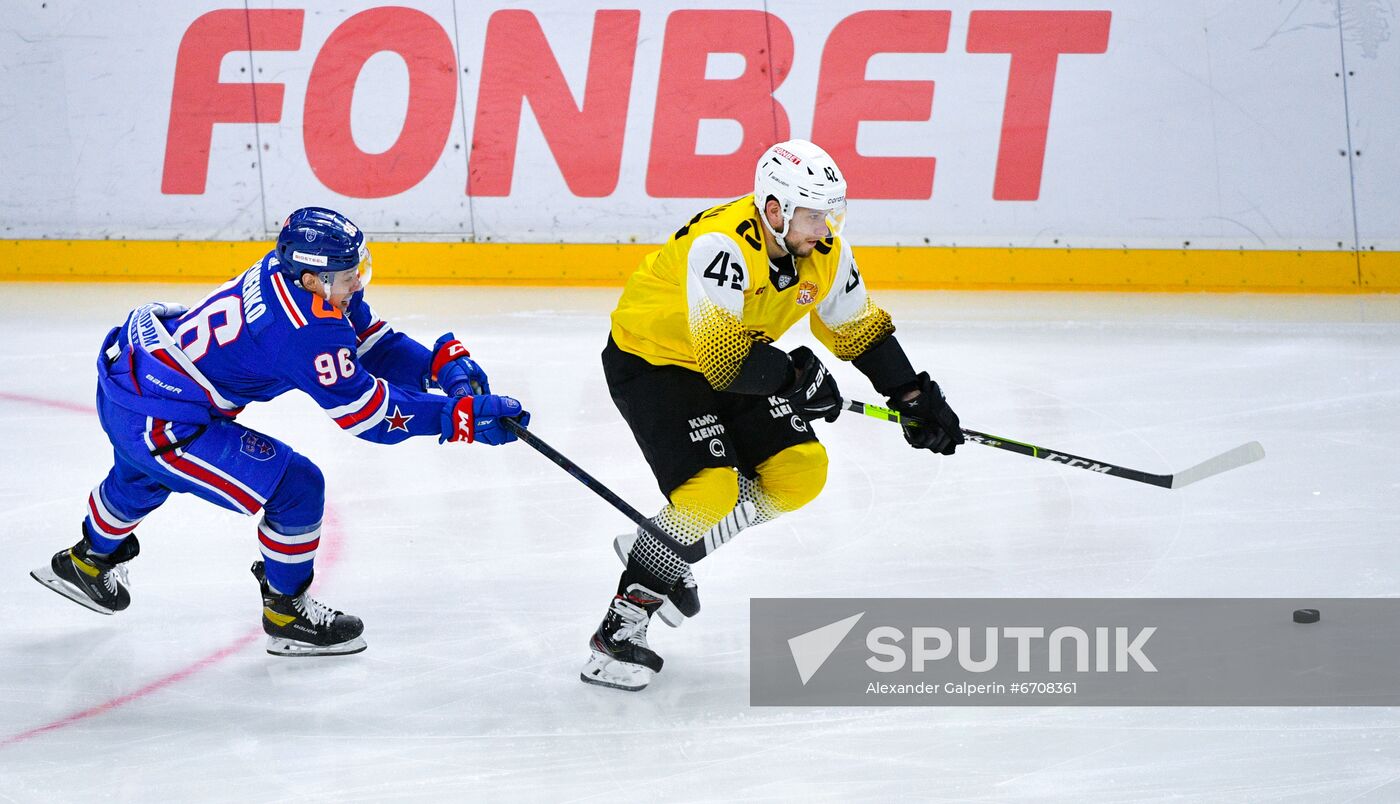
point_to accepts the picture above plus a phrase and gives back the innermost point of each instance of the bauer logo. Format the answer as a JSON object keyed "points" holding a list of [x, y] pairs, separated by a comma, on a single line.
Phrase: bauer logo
{"points": [[1074, 652]]}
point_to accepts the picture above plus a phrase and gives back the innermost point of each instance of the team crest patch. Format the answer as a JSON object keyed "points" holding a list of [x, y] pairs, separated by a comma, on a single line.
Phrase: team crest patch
{"points": [[258, 448], [806, 293]]}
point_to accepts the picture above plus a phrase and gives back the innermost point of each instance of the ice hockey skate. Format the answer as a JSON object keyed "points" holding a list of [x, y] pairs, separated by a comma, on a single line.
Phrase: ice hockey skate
{"points": [[621, 658], [684, 598], [91, 580], [299, 625]]}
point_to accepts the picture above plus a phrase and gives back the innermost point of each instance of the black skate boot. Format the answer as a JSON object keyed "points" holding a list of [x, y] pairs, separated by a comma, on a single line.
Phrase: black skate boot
{"points": [[621, 658], [95, 581], [683, 598], [299, 625]]}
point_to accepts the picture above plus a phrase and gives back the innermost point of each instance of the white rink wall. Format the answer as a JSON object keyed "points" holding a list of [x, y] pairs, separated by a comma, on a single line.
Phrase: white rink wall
{"points": [[1257, 125]]}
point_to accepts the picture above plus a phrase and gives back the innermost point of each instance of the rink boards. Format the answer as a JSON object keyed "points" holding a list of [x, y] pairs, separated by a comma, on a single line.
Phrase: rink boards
{"points": [[1096, 144]]}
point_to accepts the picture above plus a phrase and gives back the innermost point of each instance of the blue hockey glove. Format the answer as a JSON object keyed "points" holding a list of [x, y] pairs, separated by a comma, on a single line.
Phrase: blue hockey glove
{"points": [[478, 418], [454, 371]]}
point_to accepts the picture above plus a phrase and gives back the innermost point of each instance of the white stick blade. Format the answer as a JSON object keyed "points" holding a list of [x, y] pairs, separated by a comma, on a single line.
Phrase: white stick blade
{"points": [[1242, 455]]}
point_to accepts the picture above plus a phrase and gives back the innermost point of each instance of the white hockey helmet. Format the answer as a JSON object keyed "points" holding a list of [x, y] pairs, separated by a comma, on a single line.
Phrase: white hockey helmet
{"points": [[800, 174]]}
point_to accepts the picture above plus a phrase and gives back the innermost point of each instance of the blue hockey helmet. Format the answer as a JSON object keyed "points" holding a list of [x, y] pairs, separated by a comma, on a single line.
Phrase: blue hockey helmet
{"points": [[323, 242]]}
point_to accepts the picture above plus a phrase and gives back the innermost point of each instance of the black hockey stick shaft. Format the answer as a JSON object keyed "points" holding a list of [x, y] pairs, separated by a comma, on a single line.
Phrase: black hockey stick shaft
{"points": [[690, 552], [1235, 458]]}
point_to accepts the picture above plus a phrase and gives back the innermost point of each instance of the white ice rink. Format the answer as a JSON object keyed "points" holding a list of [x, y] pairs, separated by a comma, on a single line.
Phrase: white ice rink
{"points": [[481, 572]]}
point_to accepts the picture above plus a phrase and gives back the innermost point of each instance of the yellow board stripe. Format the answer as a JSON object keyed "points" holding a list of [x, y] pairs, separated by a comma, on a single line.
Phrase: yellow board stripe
{"points": [[885, 267]]}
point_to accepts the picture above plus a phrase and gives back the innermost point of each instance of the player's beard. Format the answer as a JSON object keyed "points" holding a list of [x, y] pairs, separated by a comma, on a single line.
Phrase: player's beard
{"points": [[798, 247]]}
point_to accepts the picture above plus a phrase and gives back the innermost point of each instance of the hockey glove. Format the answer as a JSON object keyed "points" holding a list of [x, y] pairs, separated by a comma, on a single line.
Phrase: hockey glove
{"points": [[939, 430], [478, 418], [165, 310], [812, 393], [453, 369]]}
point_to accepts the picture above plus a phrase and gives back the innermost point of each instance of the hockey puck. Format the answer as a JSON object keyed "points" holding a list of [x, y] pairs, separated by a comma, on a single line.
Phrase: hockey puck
{"points": [[1306, 616]]}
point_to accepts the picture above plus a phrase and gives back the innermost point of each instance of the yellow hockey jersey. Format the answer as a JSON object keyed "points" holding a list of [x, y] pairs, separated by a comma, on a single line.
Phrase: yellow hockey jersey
{"points": [[704, 298]]}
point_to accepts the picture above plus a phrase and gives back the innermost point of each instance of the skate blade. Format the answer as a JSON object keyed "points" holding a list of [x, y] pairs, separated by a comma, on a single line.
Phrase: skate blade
{"points": [[607, 672], [46, 576], [280, 646]]}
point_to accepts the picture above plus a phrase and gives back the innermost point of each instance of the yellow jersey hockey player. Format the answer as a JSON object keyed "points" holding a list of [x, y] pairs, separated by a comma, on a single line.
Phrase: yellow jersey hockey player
{"points": [[724, 417]]}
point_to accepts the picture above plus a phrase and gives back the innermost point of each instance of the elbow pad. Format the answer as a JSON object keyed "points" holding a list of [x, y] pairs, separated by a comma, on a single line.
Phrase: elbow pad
{"points": [[887, 367]]}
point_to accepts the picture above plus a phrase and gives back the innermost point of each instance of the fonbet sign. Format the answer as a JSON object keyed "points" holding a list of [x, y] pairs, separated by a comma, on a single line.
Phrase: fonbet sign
{"points": [[585, 122], [1089, 124]]}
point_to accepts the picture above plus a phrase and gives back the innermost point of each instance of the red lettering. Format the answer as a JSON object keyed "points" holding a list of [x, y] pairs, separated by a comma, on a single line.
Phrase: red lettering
{"points": [[1035, 40], [586, 140], [684, 97], [199, 99], [845, 98], [432, 95]]}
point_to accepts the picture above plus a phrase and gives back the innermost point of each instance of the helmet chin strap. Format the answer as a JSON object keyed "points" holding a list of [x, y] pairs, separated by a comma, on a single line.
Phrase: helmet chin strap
{"points": [[780, 238]]}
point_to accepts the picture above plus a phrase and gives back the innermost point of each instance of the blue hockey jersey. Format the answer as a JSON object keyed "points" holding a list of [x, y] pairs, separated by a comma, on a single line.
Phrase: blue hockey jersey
{"points": [[258, 336]]}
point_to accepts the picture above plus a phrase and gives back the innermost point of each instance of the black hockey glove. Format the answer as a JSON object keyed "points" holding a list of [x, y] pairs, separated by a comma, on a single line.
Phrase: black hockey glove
{"points": [[812, 393], [940, 429]]}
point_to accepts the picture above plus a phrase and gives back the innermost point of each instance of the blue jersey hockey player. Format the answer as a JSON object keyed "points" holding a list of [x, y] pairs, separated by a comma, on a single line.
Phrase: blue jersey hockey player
{"points": [[172, 380]]}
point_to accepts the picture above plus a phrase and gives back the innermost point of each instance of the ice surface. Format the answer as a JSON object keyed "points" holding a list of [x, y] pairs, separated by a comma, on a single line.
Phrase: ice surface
{"points": [[481, 572]]}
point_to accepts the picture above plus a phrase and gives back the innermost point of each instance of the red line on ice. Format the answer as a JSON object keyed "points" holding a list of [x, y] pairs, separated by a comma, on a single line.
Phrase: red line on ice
{"points": [[330, 555], [158, 684], [71, 407]]}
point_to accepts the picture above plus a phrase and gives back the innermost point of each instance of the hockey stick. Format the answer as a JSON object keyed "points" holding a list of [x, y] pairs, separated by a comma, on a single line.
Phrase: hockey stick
{"points": [[690, 552], [1224, 462]]}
